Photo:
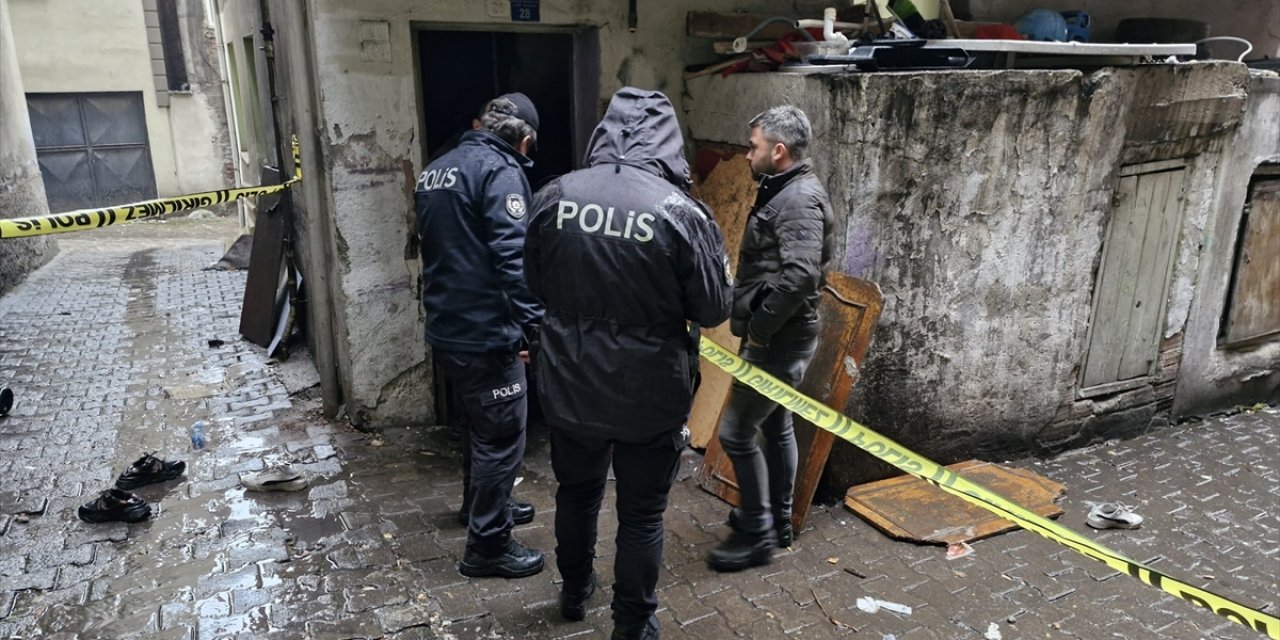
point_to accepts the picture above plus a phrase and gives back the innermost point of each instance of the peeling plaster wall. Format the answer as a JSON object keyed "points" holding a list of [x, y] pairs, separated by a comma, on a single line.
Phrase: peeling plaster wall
{"points": [[979, 202], [371, 148], [1212, 377]]}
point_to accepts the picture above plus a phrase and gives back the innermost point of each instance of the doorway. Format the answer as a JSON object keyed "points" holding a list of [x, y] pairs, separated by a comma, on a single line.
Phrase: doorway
{"points": [[460, 70]]}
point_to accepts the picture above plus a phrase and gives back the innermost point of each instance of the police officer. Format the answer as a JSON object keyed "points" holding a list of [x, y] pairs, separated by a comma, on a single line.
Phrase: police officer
{"points": [[623, 257], [471, 204], [786, 249]]}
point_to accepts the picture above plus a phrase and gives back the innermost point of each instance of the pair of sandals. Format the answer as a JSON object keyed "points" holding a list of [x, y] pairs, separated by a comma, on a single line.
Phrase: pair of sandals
{"points": [[118, 504]]}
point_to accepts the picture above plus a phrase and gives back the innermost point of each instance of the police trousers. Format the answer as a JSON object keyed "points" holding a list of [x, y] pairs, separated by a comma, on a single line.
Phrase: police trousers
{"points": [[644, 472], [489, 390], [766, 479]]}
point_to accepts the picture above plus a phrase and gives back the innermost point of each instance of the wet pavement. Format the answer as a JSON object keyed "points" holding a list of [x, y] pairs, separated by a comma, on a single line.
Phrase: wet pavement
{"points": [[107, 350]]}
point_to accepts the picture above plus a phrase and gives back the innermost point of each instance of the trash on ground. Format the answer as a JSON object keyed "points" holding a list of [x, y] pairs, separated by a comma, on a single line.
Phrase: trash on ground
{"points": [[993, 632], [872, 605], [280, 477], [958, 550], [199, 434], [214, 343], [6, 401], [1113, 515], [149, 470], [114, 505]]}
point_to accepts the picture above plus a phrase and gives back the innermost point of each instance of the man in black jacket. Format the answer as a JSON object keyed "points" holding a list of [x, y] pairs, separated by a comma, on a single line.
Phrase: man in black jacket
{"points": [[624, 258], [786, 250], [471, 204]]}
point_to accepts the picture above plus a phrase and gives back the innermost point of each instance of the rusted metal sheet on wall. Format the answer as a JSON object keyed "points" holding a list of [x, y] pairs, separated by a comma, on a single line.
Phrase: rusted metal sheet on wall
{"points": [[847, 314], [1254, 310]]}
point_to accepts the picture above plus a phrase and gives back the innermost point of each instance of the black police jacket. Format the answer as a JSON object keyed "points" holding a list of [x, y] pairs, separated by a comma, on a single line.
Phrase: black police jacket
{"points": [[623, 258], [786, 250], [471, 205]]}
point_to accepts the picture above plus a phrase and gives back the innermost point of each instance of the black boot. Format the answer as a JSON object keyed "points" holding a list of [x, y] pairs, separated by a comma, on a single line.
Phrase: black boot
{"points": [[573, 599], [648, 631], [743, 551], [781, 527], [521, 513], [514, 561]]}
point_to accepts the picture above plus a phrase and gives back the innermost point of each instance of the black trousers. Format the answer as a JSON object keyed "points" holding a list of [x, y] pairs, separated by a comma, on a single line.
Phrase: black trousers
{"points": [[644, 473], [490, 392]]}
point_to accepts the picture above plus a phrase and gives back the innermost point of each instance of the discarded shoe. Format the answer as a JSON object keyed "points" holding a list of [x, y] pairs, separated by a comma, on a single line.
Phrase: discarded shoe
{"points": [[781, 527], [514, 561], [114, 505], [149, 470], [1112, 515], [521, 513], [573, 600], [743, 551], [280, 477]]}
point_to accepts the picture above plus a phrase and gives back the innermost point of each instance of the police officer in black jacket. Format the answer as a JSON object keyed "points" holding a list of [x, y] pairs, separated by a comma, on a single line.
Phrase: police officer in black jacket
{"points": [[623, 257], [471, 205], [786, 249]]}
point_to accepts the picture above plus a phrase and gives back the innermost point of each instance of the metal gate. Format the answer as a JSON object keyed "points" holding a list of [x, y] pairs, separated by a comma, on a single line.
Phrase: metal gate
{"points": [[92, 149]]}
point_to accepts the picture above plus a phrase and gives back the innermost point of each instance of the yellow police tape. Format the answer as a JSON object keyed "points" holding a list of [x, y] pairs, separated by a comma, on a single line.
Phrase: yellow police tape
{"points": [[919, 466], [95, 218]]}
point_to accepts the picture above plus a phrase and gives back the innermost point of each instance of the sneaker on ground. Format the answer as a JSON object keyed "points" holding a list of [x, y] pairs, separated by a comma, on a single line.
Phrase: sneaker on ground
{"points": [[149, 470], [114, 505], [280, 477], [1111, 515]]}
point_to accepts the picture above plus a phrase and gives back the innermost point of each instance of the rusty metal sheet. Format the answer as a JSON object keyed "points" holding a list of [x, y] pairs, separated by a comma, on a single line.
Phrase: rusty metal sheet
{"points": [[908, 508], [847, 314]]}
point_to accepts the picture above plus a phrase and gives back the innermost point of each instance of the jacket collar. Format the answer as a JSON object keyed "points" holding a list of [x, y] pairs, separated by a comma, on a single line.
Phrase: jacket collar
{"points": [[771, 185], [489, 139]]}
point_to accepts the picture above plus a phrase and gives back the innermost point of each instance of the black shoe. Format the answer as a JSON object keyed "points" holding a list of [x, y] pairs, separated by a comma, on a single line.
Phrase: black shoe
{"points": [[650, 631], [114, 505], [781, 527], [573, 601], [515, 561], [743, 551], [521, 513], [149, 470]]}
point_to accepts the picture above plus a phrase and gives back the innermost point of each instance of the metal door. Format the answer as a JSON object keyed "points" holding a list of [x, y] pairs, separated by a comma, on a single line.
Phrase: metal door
{"points": [[92, 149]]}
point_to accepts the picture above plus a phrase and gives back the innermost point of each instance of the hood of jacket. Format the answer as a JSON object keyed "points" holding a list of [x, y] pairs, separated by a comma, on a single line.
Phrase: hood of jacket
{"points": [[640, 129]]}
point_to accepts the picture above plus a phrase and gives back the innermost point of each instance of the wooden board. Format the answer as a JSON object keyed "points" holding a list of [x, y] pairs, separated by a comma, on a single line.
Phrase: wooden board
{"points": [[908, 508], [729, 190], [847, 312], [1255, 295]]}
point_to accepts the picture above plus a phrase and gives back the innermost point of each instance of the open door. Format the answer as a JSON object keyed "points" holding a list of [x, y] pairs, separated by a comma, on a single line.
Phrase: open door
{"points": [[847, 314]]}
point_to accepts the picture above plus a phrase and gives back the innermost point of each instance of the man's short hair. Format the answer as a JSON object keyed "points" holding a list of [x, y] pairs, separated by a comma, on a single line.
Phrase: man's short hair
{"points": [[500, 119], [786, 124]]}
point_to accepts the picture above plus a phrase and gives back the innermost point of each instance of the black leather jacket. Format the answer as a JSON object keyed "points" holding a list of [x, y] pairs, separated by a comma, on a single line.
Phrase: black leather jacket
{"points": [[786, 251]]}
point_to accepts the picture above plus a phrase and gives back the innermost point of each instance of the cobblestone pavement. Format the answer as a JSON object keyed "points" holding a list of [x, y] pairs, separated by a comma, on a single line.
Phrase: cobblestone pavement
{"points": [[107, 350]]}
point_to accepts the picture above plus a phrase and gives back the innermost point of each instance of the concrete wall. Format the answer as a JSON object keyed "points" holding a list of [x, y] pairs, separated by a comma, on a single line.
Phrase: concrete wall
{"points": [[90, 46], [979, 202], [370, 144], [1257, 21], [21, 189], [1212, 377]]}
